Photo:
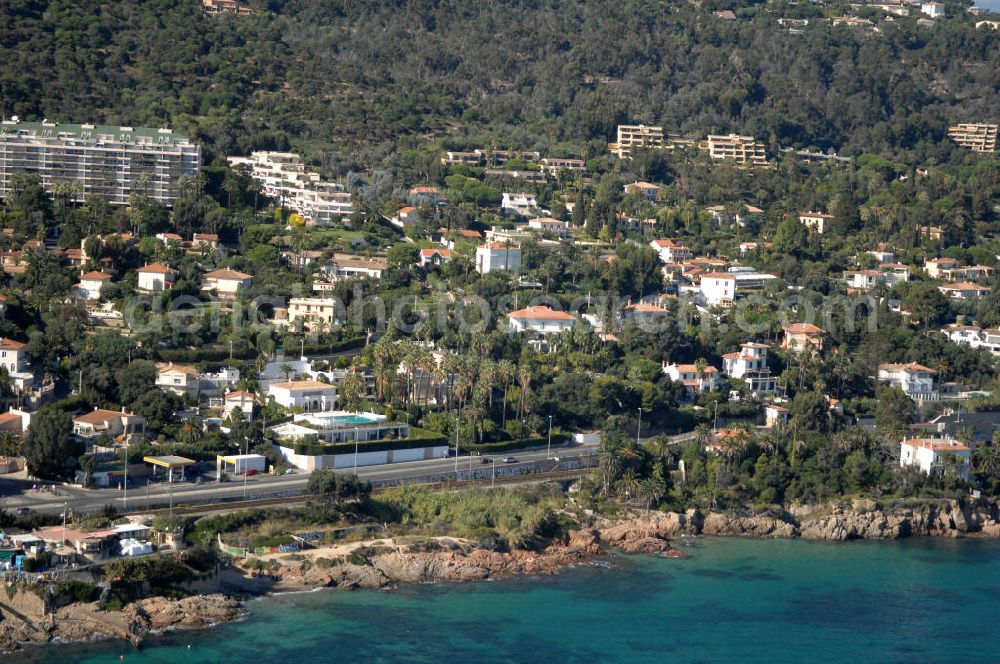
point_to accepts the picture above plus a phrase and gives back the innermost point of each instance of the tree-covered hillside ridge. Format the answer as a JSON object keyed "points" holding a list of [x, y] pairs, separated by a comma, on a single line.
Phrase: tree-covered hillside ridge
{"points": [[353, 78]]}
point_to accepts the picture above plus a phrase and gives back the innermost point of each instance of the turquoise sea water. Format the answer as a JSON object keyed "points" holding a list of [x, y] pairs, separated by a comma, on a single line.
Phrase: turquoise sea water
{"points": [[733, 600]]}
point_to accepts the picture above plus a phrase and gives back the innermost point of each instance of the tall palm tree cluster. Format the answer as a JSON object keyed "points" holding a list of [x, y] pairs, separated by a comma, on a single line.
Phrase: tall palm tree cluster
{"points": [[479, 393], [630, 472]]}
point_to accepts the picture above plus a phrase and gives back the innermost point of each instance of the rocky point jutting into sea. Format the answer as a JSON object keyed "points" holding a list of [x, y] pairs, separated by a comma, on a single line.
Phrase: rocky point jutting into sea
{"points": [[30, 617]]}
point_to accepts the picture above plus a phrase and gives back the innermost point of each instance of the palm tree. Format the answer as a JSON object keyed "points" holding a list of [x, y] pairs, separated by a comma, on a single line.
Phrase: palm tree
{"points": [[287, 369]]}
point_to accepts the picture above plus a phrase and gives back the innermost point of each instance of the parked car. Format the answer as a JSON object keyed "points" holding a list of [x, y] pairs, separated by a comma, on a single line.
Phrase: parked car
{"points": [[21, 511]]}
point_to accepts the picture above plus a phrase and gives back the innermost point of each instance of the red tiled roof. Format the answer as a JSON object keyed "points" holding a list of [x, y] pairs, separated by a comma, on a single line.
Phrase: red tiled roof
{"points": [[540, 313], [157, 268]]}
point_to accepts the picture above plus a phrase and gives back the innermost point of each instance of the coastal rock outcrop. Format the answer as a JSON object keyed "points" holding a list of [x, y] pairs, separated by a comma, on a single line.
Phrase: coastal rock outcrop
{"points": [[771, 524]]}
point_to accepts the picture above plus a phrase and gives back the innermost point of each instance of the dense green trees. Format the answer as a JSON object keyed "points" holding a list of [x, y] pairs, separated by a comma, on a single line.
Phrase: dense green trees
{"points": [[48, 447]]}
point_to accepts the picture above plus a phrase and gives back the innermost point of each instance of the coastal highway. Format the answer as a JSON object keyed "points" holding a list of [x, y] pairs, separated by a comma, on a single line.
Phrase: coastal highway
{"points": [[18, 493]]}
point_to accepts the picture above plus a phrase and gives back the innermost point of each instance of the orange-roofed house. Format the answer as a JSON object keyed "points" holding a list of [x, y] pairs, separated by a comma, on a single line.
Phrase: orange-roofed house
{"points": [[498, 256], [155, 277], [694, 379], [225, 283], [91, 284], [671, 251], [240, 400], [936, 455], [774, 414], [646, 189], [434, 257], [424, 194], [965, 291], [915, 380], [211, 240], [181, 379], [405, 216], [109, 423], [802, 336], [539, 319]]}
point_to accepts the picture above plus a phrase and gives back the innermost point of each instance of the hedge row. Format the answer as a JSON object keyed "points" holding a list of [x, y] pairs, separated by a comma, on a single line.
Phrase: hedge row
{"points": [[418, 438], [221, 354], [516, 444]]}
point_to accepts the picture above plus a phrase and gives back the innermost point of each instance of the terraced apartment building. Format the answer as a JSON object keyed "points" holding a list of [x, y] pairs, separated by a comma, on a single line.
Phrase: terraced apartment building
{"points": [[977, 137], [83, 160], [633, 137], [744, 150]]}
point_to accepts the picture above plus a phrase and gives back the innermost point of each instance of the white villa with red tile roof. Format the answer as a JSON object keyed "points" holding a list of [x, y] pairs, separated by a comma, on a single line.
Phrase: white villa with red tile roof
{"points": [[933, 455]]}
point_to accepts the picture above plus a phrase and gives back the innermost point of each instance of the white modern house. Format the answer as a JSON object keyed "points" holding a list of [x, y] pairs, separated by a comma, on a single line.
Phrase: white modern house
{"points": [[932, 9], [749, 364], [309, 395], [498, 256], [335, 434], [933, 455], [225, 283], [671, 251], [155, 277], [723, 288], [520, 204], [916, 381], [975, 337], [91, 284], [549, 225]]}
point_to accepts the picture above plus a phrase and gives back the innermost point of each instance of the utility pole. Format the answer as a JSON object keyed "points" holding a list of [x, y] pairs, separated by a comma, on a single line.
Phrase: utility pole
{"points": [[638, 426], [125, 486], [548, 448]]}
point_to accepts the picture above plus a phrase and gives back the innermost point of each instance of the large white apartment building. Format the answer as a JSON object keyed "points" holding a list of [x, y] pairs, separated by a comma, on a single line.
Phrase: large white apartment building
{"points": [[741, 149], [975, 337], [285, 178], [498, 256], [109, 162]]}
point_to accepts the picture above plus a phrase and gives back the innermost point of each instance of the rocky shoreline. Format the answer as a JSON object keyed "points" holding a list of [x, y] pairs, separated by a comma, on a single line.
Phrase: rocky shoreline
{"points": [[26, 618]]}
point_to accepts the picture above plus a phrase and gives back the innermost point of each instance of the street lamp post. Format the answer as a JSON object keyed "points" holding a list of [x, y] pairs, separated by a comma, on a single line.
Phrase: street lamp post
{"points": [[125, 485], [356, 434], [548, 448], [638, 426], [245, 473]]}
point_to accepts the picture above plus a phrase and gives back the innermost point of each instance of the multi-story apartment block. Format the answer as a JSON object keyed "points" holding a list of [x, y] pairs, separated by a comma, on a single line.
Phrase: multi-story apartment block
{"points": [[285, 178], [553, 165], [977, 137], [744, 150], [97, 160], [634, 137]]}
